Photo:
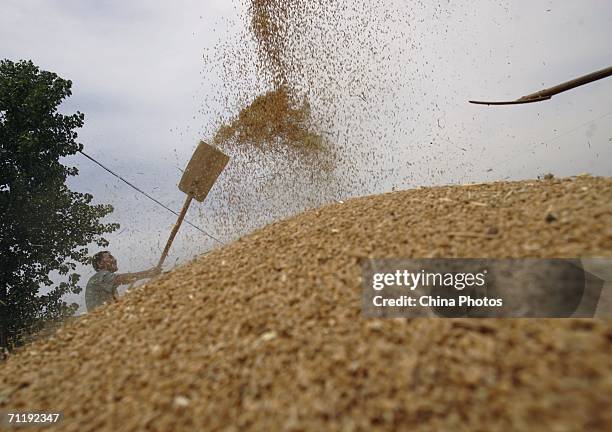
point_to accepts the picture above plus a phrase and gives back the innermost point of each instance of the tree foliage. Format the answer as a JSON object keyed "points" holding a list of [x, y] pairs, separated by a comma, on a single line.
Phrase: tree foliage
{"points": [[44, 227]]}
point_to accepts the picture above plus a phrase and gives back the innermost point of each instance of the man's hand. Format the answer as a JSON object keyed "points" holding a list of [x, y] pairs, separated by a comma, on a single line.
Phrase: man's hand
{"points": [[154, 271], [127, 278]]}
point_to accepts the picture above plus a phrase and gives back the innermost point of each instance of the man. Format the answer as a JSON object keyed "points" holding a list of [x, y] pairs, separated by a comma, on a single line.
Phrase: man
{"points": [[102, 287]]}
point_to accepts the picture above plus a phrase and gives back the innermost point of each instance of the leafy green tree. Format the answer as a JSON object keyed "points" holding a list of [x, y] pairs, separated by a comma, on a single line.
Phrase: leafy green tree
{"points": [[44, 226]]}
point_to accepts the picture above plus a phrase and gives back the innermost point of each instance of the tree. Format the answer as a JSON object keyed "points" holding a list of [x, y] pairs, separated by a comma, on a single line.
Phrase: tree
{"points": [[44, 226]]}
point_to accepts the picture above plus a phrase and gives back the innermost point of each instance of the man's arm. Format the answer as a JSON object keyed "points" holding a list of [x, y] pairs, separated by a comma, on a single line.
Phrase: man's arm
{"points": [[127, 278]]}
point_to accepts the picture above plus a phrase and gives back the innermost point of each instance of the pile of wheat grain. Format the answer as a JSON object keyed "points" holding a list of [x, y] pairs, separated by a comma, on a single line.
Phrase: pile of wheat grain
{"points": [[267, 333]]}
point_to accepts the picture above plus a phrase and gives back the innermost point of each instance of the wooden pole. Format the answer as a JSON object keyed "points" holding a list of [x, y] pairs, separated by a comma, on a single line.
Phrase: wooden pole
{"points": [[177, 225], [550, 92]]}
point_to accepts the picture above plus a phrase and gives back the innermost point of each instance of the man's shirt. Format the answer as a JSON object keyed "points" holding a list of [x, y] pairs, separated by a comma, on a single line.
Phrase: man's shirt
{"points": [[100, 289]]}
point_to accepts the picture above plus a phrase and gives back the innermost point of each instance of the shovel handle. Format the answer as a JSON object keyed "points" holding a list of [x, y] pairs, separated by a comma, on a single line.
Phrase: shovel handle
{"points": [[177, 225]]}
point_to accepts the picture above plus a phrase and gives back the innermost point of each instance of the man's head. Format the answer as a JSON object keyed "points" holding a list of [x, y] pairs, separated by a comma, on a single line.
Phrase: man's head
{"points": [[104, 261]]}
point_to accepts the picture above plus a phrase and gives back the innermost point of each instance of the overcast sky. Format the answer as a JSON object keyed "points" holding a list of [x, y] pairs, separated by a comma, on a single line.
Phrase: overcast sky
{"points": [[139, 76]]}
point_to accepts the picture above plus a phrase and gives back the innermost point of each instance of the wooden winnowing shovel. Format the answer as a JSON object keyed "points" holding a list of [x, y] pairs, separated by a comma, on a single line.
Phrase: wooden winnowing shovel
{"points": [[201, 173], [550, 92]]}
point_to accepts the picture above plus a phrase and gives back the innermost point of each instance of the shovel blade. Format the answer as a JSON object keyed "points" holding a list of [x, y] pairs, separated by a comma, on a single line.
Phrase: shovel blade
{"points": [[202, 171]]}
